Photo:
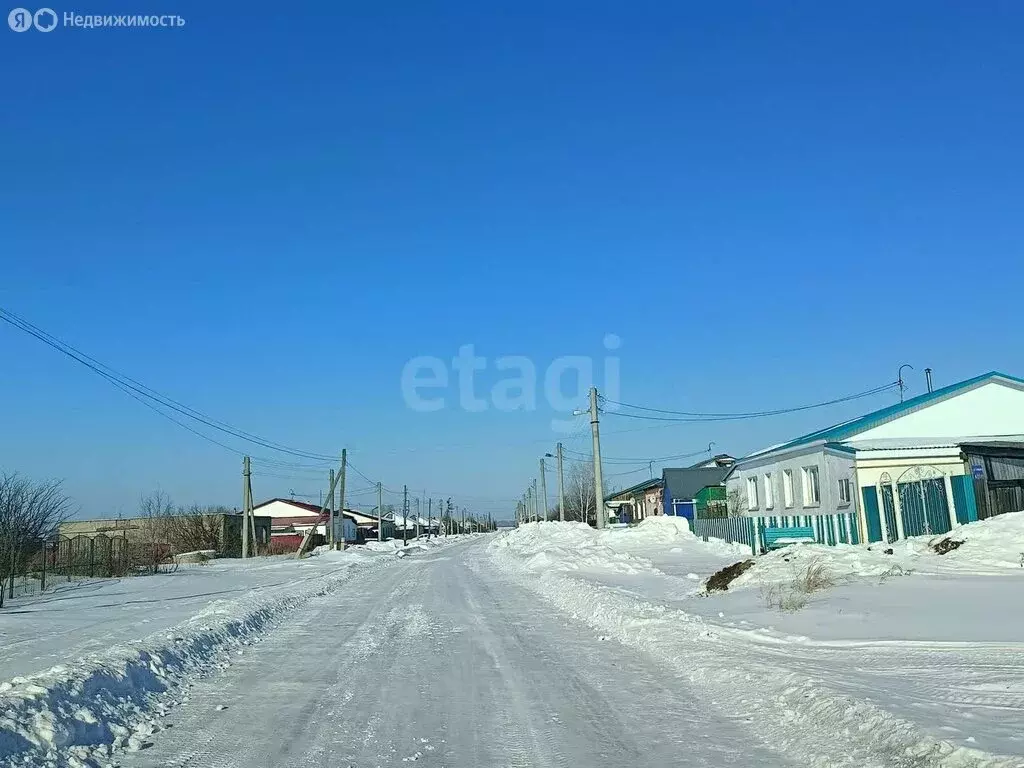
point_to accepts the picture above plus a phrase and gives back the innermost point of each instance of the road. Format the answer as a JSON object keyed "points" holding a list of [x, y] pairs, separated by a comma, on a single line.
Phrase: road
{"points": [[439, 661]]}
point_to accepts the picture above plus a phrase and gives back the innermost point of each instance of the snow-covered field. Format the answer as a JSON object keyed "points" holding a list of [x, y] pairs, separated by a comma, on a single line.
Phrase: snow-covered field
{"points": [[909, 658], [89, 667]]}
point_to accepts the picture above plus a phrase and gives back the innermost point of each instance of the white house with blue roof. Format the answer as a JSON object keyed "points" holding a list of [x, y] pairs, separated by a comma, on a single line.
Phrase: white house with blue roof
{"points": [[907, 470]]}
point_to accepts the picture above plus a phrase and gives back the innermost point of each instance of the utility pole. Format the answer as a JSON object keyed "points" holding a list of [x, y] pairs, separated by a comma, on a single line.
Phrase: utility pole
{"points": [[330, 512], [430, 513], [405, 515], [543, 491], [561, 486], [529, 503], [245, 507], [417, 517], [307, 539], [341, 490], [462, 523], [536, 502], [380, 514], [448, 509], [598, 479]]}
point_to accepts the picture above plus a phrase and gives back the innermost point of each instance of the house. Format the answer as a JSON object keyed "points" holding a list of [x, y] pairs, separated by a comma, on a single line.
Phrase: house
{"points": [[638, 501], [290, 520], [694, 491], [366, 525], [693, 488], [220, 531], [913, 468]]}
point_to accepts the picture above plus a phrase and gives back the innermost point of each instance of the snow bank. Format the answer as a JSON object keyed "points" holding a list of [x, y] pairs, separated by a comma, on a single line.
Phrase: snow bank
{"points": [[544, 547], [989, 545], [994, 546], [654, 536], [793, 711]]}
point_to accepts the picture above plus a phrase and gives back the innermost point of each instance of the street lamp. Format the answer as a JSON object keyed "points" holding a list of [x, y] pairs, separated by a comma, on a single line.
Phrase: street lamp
{"points": [[561, 485]]}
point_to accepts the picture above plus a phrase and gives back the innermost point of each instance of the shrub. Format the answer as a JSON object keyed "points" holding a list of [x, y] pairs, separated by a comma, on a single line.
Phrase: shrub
{"points": [[794, 594]]}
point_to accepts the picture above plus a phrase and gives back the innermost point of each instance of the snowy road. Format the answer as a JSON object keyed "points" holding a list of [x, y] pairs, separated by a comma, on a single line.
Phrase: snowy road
{"points": [[438, 660]]}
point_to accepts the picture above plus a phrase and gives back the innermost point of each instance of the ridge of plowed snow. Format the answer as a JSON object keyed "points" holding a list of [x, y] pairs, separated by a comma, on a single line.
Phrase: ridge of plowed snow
{"points": [[76, 713], [792, 711]]}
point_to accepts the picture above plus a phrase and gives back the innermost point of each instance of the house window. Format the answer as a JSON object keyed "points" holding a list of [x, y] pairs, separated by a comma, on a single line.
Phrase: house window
{"points": [[769, 491], [787, 487], [812, 492], [751, 493], [844, 491]]}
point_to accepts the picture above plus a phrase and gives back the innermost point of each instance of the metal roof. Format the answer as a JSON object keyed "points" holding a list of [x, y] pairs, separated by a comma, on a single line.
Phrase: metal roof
{"points": [[687, 483], [847, 429], [638, 488]]}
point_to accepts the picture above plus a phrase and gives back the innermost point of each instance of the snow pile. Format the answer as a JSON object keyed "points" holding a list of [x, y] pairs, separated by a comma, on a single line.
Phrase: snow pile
{"points": [[656, 545], [790, 707], [993, 546], [543, 547]]}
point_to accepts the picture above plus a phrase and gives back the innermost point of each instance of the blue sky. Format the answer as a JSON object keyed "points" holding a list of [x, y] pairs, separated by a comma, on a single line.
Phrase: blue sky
{"points": [[267, 212]]}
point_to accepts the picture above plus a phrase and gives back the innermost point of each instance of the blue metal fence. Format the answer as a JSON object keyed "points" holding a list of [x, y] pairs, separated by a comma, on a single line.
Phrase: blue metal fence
{"points": [[828, 529], [732, 529]]}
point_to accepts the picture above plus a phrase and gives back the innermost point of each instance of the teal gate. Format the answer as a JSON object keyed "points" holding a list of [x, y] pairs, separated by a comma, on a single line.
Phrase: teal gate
{"points": [[923, 502]]}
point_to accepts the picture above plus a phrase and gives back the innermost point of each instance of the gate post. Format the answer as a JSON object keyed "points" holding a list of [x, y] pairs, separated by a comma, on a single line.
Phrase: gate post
{"points": [[883, 523], [951, 504], [42, 580], [898, 509]]}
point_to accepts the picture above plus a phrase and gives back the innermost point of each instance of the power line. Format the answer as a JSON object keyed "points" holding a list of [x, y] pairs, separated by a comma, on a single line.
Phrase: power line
{"points": [[639, 459], [353, 467], [130, 385], [690, 417], [628, 472]]}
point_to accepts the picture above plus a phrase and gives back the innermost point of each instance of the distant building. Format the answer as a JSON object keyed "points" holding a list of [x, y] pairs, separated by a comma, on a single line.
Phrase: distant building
{"points": [[220, 531], [638, 501], [693, 489], [290, 520]]}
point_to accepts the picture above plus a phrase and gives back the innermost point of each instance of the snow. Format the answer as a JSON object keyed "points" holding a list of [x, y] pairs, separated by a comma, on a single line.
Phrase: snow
{"points": [[994, 546], [500, 681], [84, 667], [918, 664], [550, 644]]}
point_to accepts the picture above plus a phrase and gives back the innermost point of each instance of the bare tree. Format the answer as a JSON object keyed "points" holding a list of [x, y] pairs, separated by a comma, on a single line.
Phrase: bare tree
{"points": [[735, 504], [196, 529], [156, 522], [30, 514], [579, 493]]}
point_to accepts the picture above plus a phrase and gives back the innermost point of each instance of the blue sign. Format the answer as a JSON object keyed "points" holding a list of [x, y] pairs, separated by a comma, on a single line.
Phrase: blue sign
{"points": [[978, 472]]}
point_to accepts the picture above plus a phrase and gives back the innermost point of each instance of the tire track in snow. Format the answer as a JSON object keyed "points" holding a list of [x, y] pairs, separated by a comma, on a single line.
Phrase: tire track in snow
{"points": [[785, 706]]}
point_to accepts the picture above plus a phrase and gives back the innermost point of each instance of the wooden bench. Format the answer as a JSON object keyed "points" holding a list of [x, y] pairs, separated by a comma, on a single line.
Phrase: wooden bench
{"points": [[776, 538]]}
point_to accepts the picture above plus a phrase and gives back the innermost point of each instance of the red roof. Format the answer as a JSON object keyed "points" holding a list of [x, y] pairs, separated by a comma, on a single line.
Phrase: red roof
{"points": [[283, 522]]}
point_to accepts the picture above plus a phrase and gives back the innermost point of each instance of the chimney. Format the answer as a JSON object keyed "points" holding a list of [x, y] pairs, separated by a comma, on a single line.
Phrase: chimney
{"points": [[928, 378]]}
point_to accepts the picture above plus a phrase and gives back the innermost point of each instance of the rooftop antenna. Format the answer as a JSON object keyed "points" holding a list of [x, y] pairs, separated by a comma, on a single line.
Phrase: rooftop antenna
{"points": [[928, 378], [899, 379]]}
